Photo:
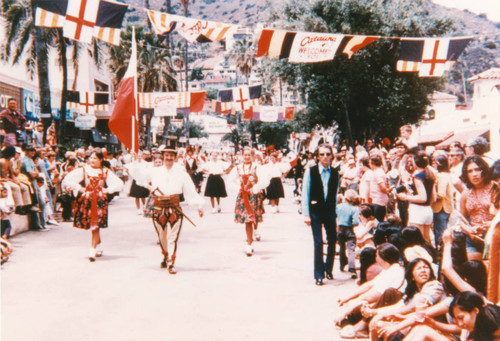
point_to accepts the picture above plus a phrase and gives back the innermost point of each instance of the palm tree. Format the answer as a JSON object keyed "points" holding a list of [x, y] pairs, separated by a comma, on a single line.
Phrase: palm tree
{"points": [[243, 55], [154, 64], [154, 69], [23, 38], [236, 138]]}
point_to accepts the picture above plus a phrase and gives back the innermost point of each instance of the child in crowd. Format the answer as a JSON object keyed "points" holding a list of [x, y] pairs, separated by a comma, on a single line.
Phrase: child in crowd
{"points": [[43, 194], [347, 218], [5, 211]]}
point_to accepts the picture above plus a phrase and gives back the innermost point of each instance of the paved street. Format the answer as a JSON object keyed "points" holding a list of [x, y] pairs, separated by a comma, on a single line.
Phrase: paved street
{"points": [[50, 291]]}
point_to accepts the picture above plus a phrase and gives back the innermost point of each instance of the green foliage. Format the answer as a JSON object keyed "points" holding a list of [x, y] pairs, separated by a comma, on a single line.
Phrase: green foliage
{"points": [[238, 139], [196, 74], [274, 133], [366, 89], [243, 55], [154, 64], [196, 130], [212, 94]]}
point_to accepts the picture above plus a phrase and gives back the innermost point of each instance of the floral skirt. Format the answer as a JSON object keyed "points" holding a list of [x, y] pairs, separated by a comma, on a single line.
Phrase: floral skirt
{"points": [[257, 205], [82, 211]]}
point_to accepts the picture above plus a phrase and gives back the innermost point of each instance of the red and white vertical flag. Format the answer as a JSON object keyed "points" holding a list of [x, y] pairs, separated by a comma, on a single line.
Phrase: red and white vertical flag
{"points": [[124, 121]]}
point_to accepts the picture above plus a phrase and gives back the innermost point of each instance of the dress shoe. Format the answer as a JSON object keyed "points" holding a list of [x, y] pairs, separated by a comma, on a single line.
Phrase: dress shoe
{"points": [[163, 264], [353, 273], [319, 282], [329, 276], [171, 270]]}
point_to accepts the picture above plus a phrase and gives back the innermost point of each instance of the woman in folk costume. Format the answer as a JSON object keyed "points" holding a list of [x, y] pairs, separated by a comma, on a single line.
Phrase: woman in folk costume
{"points": [[215, 188], [249, 202], [92, 183], [137, 170], [275, 170]]}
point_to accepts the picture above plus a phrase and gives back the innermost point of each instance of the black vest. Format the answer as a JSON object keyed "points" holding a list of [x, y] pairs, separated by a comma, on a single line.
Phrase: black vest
{"points": [[317, 201]]}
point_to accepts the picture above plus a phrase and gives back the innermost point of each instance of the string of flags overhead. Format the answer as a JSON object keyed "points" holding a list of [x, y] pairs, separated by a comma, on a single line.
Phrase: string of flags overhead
{"points": [[169, 103], [430, 56], [193, 30], [87, 102], [82, 20], [309, 47]]}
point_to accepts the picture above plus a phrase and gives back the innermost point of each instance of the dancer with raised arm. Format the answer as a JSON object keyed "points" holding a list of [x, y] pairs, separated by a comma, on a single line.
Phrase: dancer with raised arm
{"points": [[92, 183]]}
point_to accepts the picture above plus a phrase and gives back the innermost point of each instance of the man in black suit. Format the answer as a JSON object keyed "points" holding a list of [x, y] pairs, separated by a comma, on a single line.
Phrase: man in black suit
{"points": [[319, 198]]}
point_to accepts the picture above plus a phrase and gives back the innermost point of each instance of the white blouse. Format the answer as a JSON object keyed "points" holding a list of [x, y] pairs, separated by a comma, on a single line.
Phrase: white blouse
{"points": [[276, 170], [72, 180], [215, 167], [263, 178], [174, 181]]}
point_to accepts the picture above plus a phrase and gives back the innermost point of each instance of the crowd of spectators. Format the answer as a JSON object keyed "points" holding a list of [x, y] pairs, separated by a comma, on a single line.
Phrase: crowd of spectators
{"points": [[421, 230], [418, 229]]}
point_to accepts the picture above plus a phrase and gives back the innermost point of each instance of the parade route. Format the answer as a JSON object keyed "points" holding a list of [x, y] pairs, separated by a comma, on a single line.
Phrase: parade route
{"points": [[50, 291]]}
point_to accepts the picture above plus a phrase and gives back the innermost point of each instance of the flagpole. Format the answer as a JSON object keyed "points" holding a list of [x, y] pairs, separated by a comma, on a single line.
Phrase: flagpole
{"points": [[135, 117]]}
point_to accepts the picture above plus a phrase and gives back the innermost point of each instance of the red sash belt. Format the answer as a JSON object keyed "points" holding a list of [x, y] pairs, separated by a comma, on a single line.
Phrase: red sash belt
{"points": [[245, 195]]}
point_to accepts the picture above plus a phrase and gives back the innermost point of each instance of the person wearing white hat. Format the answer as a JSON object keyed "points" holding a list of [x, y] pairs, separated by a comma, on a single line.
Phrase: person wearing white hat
{"points": [[170, 181]]}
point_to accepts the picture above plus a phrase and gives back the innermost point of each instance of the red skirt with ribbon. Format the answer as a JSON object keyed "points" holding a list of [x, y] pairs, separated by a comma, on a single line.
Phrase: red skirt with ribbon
{"points": [[90, 210]]}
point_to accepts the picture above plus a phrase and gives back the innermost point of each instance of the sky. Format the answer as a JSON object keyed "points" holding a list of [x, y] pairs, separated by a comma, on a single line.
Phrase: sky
{"points": [[490, 7]]}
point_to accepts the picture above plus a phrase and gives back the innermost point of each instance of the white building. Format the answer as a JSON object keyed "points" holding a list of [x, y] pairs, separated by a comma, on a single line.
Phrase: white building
{"points": [[447, 122], [215, 127]]}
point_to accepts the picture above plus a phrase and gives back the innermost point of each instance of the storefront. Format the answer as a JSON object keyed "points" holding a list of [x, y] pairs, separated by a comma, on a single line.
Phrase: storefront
{"points": [[8, 91], [31, 105]]}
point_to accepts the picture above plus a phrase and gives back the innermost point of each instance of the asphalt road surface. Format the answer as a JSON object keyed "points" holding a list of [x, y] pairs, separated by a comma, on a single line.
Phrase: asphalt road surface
{"points": [[50, 290]]}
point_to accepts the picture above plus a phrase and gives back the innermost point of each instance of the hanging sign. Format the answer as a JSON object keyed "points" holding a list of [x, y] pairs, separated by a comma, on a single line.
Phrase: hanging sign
{"points": [[85, 122]]}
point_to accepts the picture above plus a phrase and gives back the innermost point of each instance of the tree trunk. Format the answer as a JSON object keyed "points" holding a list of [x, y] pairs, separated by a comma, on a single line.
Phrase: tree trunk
{"points": [[186, 66], [168, 7], [42, 63], [348, 123], [148, 6], [64, 66]]}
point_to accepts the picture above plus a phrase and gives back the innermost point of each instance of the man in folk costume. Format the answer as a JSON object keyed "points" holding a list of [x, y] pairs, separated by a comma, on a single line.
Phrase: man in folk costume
{"points": [[319, 199], [170, 181], [249, 202]]}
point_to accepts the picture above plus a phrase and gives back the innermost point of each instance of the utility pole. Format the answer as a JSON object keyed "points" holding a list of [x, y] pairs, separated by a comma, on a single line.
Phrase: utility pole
{"points": [[186, 13]]}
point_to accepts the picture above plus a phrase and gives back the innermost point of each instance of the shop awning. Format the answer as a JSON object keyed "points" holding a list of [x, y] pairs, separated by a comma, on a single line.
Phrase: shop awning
{"points": [[464, 136], [432, 139]]}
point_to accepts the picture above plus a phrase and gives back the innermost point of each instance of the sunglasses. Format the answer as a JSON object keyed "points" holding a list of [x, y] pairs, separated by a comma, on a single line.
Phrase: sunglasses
{"points": [[325, 154]]}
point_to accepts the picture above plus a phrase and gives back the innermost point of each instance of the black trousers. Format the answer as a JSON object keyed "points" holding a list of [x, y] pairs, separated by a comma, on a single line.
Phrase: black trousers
{"points": [[319, 220]]}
